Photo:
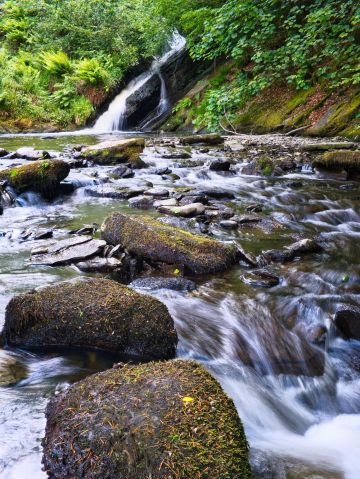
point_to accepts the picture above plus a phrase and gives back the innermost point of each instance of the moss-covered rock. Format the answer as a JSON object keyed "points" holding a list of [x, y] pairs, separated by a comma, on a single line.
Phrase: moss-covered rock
{"points": [[40, 176], [209, 139], [155, 241], [93, 313], [113, 152], [161, 420], [339, 160]]}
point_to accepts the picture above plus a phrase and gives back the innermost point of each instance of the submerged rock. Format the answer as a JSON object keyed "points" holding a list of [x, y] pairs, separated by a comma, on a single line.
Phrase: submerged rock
{"points": [[67, 251], [347, 322], [43, 177], [158, 420], [155, 241], [261, 278], [176, 284], [120, 151], [92, 313], [300, 248]]}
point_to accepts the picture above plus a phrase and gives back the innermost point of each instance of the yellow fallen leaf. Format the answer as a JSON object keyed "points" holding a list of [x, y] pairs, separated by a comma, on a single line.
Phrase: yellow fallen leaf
{"points": [[188, 399]]}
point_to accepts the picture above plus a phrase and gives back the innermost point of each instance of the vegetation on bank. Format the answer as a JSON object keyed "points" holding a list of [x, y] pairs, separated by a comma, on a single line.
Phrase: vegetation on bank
{"points": [[59, 59], [298, 45]]}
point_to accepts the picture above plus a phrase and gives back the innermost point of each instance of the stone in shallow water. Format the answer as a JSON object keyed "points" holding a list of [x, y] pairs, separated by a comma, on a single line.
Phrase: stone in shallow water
{"points": [[187, 211], [32, 154], [229, 224], [100, 265], [220, 165], [91, 313], [169, 202], [158, 192], [11, 370], [160, 420], [122, 171], [209, 139], [347, 321], [142, 202], [150, 239], [67, 251], [261, 278]]}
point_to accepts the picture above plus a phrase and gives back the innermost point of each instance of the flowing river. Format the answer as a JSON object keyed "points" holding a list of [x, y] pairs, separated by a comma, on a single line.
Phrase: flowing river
{"points": [[298, 426]]}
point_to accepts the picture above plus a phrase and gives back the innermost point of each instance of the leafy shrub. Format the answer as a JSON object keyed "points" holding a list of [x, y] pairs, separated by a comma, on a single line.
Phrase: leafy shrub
{"points": [[56, 63], [92, 73]]}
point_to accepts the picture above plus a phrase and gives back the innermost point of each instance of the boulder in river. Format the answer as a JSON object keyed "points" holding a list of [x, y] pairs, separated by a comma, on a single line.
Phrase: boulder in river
{"points": [[113, 152], [43, 177], [92, 313], [339, 160], [67, 251], [187, 211], [208, 139], [11, 370], [159, 242], [347, 321], [160, 420], [31, 154]]}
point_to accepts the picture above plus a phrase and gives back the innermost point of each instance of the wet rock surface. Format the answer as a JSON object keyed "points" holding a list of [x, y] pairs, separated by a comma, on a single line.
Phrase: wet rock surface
{"points": [[152, 240], [92, 313], [171, 418]]}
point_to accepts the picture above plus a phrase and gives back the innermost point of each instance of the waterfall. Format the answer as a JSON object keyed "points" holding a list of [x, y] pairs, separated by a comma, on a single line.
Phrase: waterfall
{"points": [[114, 118], [162, 106]]}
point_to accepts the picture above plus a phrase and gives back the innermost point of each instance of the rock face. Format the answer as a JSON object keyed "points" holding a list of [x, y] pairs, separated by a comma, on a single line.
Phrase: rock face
{"points": [[93, 313], [149, 239], [43, 177], [113, 152], [158, 420]]}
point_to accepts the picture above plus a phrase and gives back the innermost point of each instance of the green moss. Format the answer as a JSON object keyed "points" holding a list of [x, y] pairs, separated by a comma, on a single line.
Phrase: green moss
{"points": [[339, 160], [95, 313], [39, 176], [159, 242], [133, 422]]}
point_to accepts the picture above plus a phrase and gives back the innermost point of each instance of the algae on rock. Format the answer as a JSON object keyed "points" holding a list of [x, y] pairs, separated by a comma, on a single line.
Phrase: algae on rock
{"points": [[161, 420], [159, 242]]}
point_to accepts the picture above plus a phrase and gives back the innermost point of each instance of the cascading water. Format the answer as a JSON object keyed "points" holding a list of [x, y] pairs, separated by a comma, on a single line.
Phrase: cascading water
{"points": [[114, 118], [162, 107]]}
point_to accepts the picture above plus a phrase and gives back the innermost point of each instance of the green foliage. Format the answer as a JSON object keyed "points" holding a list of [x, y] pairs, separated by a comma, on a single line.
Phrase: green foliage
{"points": [[56, 63], [300, 42], [184, 103], [92, 73]]}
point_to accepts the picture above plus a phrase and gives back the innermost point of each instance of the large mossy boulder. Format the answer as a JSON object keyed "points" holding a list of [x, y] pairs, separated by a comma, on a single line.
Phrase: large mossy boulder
{"points": [[114, 152], [160, 420], [159, 242], [42, 177], [92, 313], [339, 160]]}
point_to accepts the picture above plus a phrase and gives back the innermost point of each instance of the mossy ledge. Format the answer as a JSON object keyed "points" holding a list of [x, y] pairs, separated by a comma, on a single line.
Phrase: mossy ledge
{"points": [[91, 313], [40, 176], [113, 152], [164, 420], [155, 241]]}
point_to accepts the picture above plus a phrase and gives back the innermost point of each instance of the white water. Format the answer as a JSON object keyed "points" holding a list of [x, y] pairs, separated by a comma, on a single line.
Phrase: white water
{"points": [[114, 118]]}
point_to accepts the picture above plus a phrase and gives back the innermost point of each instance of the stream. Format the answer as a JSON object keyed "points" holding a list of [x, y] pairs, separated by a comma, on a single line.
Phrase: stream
{"points": [[298, 426]]}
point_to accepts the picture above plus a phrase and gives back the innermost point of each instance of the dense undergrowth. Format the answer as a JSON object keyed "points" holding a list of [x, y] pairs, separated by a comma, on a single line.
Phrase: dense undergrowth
{"points": [[299, 43], [59, 58]]}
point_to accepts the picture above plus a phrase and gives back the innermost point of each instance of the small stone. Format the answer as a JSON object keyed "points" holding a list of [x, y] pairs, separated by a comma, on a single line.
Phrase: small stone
{"points": [[193, 209], [347, 322], [168, 202], [142, 202], [229, 224], [261, 278], [244, 219], [220, 165], [158, 192], [122, 171]]}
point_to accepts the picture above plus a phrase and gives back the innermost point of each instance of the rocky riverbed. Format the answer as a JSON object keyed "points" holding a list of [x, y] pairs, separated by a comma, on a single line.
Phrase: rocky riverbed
{"points": [[243, 255]]}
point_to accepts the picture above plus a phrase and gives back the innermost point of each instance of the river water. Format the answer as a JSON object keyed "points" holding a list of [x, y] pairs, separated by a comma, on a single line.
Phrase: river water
{"points": [[298, 426]]}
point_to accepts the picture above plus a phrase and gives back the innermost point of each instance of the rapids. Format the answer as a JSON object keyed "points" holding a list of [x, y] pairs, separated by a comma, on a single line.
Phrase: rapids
{"points": [[298, 427]]}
